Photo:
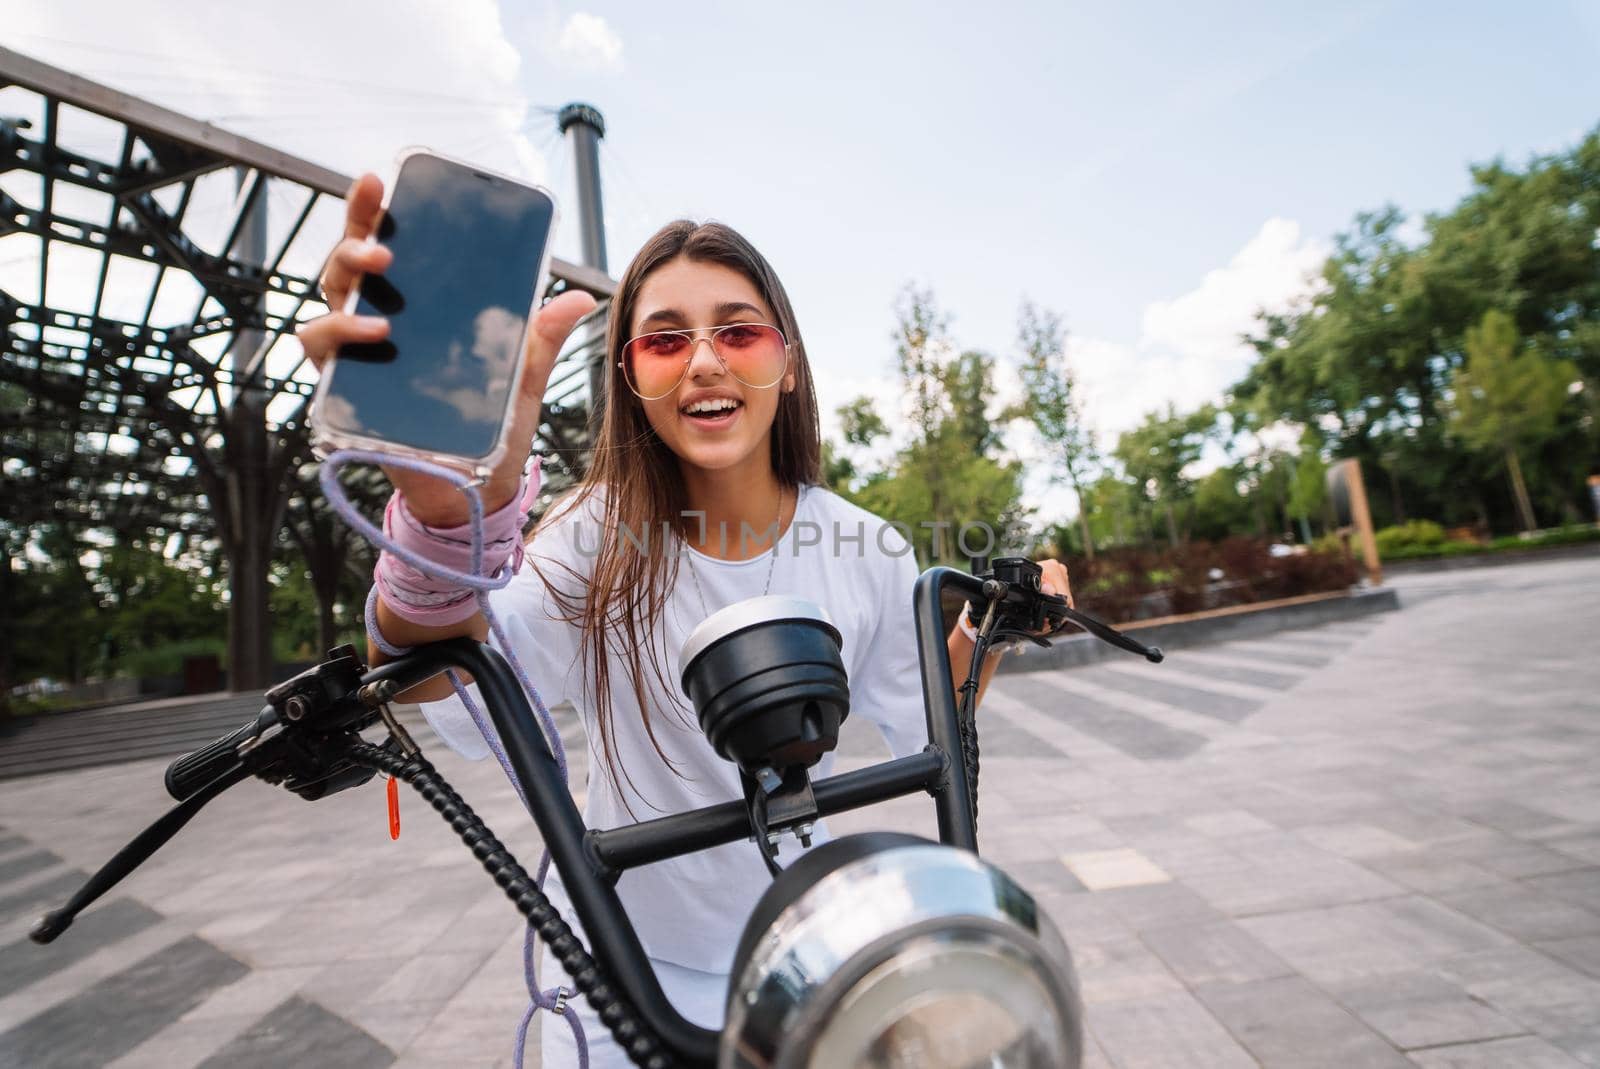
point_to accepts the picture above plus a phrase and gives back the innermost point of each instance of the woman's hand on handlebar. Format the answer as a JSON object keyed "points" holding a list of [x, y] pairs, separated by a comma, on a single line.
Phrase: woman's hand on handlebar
{"points": [[1055, 580], [431, 500]]}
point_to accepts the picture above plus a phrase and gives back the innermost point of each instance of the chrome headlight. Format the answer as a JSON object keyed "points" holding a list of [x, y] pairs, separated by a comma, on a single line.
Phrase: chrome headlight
{"points": [[885, 950]]}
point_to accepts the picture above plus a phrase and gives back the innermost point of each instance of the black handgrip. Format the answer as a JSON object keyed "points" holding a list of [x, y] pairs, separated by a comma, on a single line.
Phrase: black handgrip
{"points": [[194, 770]]}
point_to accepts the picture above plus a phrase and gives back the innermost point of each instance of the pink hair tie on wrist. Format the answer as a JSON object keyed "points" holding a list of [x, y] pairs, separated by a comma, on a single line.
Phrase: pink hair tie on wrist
{"points": [[429, 596]]}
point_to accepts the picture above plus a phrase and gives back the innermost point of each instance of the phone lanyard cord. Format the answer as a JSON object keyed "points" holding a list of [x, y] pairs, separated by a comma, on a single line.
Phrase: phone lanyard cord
{"points": [[555, 999]]}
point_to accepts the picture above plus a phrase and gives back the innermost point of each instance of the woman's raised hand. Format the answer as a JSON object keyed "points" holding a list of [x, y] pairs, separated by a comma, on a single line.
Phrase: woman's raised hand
{"points": [[432, 500]]}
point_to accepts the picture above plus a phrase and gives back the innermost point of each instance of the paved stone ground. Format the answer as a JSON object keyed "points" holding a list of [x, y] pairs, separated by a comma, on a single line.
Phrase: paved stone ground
{"points": [[1367, 844]]}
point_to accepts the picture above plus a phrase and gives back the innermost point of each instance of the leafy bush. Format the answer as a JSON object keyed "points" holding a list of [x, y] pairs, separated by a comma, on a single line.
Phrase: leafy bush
{"points": [[1560, 536], [1406, 538], [1126, 584]]}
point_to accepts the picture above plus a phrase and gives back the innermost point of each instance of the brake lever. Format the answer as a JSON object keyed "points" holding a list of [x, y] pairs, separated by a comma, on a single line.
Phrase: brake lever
{"points": [[1016, 581], [130, 857], [1057, 607]]}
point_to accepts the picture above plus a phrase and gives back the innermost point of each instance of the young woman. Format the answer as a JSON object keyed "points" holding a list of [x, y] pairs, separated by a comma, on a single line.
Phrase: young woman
{"points": [[703, 491]]}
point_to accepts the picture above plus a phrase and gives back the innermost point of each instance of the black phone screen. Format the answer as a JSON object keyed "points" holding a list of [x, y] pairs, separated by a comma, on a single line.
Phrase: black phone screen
{"points": [[468, 248]]}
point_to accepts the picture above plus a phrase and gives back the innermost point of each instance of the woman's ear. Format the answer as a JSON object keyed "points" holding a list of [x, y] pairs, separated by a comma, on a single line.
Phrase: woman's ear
{"points": [[788, 383]]}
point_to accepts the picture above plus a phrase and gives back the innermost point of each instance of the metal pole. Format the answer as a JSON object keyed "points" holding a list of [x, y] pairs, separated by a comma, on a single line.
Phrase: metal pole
{"points": [[249, 496], [584, 124]]}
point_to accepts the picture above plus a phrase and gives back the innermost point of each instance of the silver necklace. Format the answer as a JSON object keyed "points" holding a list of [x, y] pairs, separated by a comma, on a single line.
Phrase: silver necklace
{"points": [[777, 528]]}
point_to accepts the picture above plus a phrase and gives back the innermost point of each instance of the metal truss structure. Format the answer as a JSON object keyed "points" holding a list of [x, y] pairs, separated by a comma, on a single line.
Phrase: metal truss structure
{"points": [[153, 269]]}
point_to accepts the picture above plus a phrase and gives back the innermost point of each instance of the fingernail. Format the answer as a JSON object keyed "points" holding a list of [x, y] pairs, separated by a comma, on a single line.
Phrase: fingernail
{"points": [[373, 324]]}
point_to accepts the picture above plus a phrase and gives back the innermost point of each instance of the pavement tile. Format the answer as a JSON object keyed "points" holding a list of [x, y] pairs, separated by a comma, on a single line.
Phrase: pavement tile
{"points": [[1170, 690], [1358, 841], [126, 1008], [246, 995], [1226, 822], [1371, 938], [1510, 817], [1215, 953], [27, 899], [1426, 872], [1159, 905], [1528, 914], [394, 1024], [1038, 877], [464, 1038], [1511, 857], [1546, 996], [1274, 888], [1522, 1052], [427, 978], [21, 865], [25, 962], [1417, 1009], [185, 1043], [1583, 1043], [1287, 1022], [1580, 887], [1094, 1055], [297, 1032], [1082, 918], [1584, 847], [1581, 953], [1121, 968], [1100, 870], [1170, 1031], [1128, 732], [345, 984]]}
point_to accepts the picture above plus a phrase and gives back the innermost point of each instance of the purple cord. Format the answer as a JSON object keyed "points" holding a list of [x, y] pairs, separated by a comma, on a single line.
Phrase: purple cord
{"points": [[481, 585]]}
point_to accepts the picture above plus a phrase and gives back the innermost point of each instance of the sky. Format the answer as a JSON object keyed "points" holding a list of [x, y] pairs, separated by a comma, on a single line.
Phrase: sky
{"points": [[1156, 173]]}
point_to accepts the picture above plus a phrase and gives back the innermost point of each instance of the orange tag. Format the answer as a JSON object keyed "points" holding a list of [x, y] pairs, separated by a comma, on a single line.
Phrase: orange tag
{"points": [[394, 808]]}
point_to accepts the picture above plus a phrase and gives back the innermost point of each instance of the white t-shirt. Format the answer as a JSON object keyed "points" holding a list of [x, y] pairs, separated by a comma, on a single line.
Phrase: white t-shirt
{"points": [[690, 910]]}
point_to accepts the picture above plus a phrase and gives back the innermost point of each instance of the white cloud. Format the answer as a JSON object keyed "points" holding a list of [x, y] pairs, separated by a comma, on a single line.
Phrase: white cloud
{"points": [[1269, 272], [588, 42], [1189, 349]]}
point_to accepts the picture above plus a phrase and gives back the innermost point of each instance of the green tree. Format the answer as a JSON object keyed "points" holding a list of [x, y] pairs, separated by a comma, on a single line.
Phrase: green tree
{"points": [[1157, 453], [1220, 507], [1507, 398], [1308, 492], [1372, 354], [947, 473], [1052, 405], [148, 600], [1118, 512], [860, 421]]}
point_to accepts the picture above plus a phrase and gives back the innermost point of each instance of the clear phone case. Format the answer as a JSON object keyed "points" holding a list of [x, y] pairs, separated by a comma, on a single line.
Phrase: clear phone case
{"points": [[326, 440]]}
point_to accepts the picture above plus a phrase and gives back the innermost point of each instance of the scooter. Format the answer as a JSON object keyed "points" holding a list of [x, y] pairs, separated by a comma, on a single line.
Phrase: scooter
{"points": [[872, 950]]}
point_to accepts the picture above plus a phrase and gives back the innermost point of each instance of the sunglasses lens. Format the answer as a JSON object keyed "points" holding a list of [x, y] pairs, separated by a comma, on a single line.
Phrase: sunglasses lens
{"points": [[655, 363], [754, 353]]}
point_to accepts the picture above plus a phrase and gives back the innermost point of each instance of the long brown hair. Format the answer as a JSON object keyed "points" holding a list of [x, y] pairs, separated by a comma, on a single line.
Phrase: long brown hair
{"points": [[623, 601]]}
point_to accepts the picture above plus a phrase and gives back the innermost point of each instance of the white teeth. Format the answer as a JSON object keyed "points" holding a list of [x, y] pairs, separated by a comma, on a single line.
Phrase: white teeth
{"points": [[712, 404]]}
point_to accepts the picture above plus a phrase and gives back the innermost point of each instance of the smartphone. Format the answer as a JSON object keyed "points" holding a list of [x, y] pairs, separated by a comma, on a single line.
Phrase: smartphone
{"points": [[471, 253]]}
